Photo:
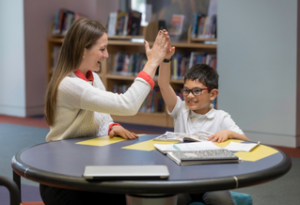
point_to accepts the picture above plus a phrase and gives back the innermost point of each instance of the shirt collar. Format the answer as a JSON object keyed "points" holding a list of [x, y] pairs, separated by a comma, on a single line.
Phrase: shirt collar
{"points": [[210, 115], [89, 75]]}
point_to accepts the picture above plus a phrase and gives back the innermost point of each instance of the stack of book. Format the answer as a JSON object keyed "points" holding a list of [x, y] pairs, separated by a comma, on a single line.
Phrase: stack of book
{"points": [[200, 152]]}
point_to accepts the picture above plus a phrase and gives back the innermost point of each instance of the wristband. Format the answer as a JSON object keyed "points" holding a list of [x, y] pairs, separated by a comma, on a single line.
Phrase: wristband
{"points": [[167, 60]]}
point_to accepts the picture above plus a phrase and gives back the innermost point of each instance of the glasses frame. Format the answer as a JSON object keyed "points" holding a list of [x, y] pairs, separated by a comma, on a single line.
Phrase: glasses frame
{"points": [[191, 91]]}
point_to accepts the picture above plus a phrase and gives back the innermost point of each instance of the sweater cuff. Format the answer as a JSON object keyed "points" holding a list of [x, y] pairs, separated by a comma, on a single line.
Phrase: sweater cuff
{"points": [[111, 125], [147, 78]]}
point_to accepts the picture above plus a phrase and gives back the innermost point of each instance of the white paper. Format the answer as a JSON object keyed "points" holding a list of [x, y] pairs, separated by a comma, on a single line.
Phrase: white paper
{"points": [[194, 146], [246, 147]]}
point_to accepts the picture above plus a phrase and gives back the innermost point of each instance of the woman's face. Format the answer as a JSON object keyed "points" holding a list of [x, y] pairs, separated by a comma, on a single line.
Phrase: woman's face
{"points": [[95, 55]]}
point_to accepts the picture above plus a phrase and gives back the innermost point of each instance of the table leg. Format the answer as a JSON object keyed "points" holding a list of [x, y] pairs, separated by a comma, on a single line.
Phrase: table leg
{"points": [[150, 199], [17, 180]]}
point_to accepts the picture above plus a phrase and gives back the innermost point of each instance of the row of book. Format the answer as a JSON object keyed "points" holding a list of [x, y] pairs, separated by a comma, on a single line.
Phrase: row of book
{"points": [[126, 64], [124, 23], [204, 26], [63, 19], [153, 102], [181, 62], [123, 63]]}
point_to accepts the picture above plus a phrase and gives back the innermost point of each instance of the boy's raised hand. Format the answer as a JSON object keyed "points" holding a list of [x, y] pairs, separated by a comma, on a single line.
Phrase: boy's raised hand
{"points": [[171, 50], [220, 136]]}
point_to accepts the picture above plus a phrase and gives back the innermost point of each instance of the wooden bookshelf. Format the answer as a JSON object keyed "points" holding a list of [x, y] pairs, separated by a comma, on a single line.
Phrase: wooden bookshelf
{"points": [[124, 43]]}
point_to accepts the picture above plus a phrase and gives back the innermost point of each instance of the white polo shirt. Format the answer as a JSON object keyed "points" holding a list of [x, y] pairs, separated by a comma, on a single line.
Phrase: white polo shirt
{"points": [[187, 121]]}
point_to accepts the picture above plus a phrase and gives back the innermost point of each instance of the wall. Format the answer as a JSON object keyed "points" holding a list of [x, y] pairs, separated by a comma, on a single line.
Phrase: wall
{"points": [[12, 58], [257, 63], [26, 41]]}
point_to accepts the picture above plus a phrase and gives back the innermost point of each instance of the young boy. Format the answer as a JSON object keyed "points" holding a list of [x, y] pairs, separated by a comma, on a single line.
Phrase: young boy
{"points": [[196, 112]]}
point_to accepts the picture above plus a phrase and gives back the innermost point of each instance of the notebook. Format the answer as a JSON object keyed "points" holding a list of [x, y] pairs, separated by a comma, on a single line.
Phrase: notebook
{"points": [[126, 172]]}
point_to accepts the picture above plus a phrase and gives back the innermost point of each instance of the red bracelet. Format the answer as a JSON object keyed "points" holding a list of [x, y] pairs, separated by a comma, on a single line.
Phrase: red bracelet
{"points": [[111, 125]]}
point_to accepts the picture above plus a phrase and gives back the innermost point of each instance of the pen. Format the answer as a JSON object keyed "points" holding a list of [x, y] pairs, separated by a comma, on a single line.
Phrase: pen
{"points": [[176, 147]]}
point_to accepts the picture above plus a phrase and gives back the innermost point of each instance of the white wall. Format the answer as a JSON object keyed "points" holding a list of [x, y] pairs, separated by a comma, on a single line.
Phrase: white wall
{"points": [[12, 58], [257, 63], [24, 37]]}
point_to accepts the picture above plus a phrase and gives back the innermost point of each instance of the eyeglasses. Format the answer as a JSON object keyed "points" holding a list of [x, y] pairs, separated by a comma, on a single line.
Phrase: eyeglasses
{"points": [[195, 91]]}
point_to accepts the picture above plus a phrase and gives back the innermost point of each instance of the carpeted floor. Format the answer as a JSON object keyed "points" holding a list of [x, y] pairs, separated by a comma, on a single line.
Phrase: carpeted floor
{"points": [[14, 137]]}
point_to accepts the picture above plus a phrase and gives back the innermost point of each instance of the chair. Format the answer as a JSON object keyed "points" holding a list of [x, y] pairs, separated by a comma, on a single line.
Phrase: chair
{"points": [[14, 192], [13, 189], [238, 199]]}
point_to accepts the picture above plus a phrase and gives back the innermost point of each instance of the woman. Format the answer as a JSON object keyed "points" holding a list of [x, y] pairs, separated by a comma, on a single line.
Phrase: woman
{"points": [[77, 104]]}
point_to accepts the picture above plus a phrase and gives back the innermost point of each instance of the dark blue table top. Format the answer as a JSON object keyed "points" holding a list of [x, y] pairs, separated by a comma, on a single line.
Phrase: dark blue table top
{"points": [[62, 163]]}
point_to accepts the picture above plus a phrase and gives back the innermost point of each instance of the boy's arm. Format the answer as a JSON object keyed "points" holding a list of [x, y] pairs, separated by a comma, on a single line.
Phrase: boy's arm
{"points": [[166, 90], [223, 135], [164, 73]]}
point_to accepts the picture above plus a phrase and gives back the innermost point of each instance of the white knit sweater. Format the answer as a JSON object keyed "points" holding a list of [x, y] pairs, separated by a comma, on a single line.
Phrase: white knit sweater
{"points": [[83, 109]]}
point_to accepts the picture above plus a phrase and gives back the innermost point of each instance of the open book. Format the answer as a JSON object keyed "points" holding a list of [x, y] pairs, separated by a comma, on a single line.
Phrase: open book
{"points": [[192, 146], [181, 137], [203, 157]]}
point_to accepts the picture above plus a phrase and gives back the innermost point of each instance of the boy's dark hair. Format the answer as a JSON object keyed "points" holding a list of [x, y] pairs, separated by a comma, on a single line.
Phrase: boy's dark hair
{"points": [[204, 74]]}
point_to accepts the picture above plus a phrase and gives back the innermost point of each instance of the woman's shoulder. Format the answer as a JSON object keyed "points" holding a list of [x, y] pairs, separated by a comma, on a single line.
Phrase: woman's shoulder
{"points": [[71, 82]]}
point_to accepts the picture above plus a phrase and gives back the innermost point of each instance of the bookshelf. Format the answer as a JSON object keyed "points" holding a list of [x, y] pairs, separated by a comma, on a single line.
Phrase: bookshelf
{"points": [[124, 44]]}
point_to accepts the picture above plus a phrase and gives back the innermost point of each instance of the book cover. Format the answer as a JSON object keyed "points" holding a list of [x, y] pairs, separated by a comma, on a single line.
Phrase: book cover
{"points": [[176, 24], [121, 20], [134, 22], [112, 22], [215, 156]]}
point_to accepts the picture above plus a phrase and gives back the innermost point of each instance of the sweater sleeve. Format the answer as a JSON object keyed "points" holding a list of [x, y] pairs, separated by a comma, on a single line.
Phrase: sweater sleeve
{"points": [[78, 94]]}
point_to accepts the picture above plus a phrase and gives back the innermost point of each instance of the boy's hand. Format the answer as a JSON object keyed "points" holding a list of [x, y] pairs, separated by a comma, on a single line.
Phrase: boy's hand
{"points": [[119, 130], [171, 50], [220, 136]]}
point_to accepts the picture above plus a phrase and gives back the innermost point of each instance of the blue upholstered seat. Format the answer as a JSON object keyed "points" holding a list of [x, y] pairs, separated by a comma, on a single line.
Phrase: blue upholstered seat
{"points": [[238, 199]]}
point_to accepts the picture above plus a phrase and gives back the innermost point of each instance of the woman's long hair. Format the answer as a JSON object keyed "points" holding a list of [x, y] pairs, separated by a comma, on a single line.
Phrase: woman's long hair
{"points": [[83, 33]]}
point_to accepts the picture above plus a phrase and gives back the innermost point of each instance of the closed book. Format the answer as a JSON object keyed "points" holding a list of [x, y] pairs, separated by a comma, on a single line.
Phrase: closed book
{"points": [[215, 156]]}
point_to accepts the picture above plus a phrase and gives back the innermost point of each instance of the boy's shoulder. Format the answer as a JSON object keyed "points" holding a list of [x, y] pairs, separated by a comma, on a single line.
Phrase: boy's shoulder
{"points": [[219, 113]]}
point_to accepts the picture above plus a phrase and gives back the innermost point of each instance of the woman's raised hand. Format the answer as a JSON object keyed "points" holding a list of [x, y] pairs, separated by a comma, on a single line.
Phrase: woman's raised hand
{"points": [[160, 48]]}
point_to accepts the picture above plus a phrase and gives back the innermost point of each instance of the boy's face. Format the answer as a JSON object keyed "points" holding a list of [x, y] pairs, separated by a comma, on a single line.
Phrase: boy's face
{"points": [[199, 104]]}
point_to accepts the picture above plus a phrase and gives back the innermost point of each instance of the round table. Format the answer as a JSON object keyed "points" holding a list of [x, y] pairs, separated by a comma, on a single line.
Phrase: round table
{"points": [[62, 163]]}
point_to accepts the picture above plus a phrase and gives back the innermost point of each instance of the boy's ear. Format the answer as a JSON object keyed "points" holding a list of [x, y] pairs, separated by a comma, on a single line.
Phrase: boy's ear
{"points": [[213, 94]]}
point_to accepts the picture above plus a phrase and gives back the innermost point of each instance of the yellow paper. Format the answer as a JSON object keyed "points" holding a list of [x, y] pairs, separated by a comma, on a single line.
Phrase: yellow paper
{"points": [[224, 144], [259, 152], [103, 141], [148, 145]]}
